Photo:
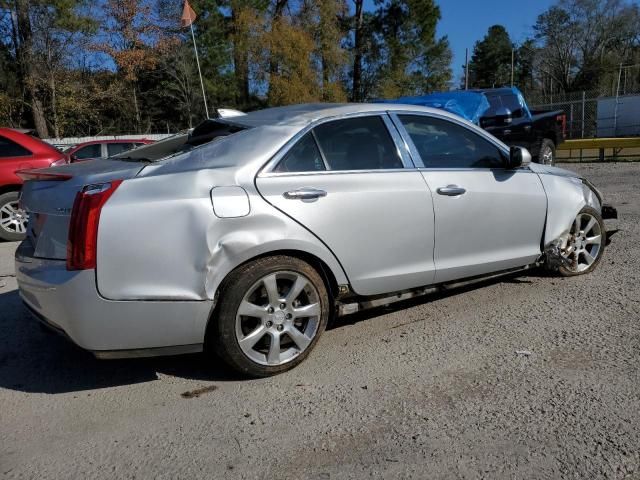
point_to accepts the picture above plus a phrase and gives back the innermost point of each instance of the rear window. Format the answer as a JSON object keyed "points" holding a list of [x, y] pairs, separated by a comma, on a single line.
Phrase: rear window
{"points": [[206, 132], [509, 101], [9, 148]]}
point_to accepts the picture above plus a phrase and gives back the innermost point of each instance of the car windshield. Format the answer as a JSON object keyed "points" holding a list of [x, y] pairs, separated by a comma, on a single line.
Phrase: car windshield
{"points": [[206, 132]]}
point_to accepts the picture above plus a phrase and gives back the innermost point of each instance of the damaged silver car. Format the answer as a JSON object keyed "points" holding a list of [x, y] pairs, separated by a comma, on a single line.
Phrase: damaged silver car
{"points": [[250, 235]]}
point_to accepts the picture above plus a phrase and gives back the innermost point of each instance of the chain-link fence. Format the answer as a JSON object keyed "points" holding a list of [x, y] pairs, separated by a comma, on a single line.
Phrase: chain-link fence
{"points": [[595, 113]]}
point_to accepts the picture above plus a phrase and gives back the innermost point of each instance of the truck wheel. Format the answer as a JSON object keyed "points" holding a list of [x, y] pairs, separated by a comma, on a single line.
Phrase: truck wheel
{"points": [[13, 220], [271, 313], [547, 154]]}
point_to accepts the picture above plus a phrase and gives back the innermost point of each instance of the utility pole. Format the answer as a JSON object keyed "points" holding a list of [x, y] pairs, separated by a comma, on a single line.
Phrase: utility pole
{"points": [[615, 109], [466, 69]]}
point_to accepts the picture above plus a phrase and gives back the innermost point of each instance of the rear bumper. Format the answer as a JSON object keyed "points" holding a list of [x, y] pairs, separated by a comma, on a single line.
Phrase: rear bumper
{"points": [[70, 303], [609, 212]]}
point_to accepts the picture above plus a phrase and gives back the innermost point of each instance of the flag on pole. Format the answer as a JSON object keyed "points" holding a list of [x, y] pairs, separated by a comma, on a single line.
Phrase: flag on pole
{"points": [[188, 15]]}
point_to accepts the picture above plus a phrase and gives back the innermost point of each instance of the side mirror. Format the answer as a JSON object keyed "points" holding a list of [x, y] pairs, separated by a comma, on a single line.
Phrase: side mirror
{"points": [[519, 157], [503, 114]]}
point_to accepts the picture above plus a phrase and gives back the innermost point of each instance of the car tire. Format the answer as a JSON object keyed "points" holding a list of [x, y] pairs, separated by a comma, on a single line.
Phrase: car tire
{"points": [[13, 221], [262, 343], [589, 252], [547, 153]]}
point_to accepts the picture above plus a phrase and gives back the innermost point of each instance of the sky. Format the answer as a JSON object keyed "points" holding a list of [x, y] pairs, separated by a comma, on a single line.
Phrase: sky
{"points": [[466, 21]]}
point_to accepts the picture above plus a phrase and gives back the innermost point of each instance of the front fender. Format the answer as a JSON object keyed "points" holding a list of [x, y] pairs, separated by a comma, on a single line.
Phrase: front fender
{"points": [[566, 196]]}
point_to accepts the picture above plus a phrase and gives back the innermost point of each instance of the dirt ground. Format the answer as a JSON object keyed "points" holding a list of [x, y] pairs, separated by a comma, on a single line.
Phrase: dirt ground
{"points": [[428, 389]]}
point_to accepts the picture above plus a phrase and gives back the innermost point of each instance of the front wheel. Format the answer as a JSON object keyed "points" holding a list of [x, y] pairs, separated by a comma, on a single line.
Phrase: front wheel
{"points": [[585, 245], [547, 154], [13, 220], [271, 313]]}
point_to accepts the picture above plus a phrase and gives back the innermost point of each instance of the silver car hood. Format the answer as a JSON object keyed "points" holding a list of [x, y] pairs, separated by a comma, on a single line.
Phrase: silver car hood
{"points": [[549, 170]]}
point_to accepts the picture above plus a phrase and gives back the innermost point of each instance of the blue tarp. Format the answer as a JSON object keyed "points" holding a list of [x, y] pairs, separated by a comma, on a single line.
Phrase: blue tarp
{"points": [[468, 105]]}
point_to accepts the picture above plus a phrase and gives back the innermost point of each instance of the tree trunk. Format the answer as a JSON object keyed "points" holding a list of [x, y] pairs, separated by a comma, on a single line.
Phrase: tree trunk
{"points": [[135, 104], [27, 66], [241, 65], [277, 14], [356, 94]]}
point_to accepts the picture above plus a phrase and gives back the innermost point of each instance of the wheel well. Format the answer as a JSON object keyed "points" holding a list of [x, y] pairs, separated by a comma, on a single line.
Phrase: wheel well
{"points": [[321, 267], [9, 188], [551, 136]]}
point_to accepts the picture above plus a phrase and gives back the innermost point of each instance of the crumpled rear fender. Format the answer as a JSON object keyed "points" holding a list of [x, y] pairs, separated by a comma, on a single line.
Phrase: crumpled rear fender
{"points": [[566, 196], [160, 239]]}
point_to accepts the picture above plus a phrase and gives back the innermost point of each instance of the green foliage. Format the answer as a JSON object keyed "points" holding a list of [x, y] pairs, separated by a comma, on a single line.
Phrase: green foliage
{"points": [[490, 64], [411, 60]]}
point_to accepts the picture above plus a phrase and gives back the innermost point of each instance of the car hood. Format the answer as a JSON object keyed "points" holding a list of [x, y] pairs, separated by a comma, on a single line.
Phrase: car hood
{"points": [[561, 172]]}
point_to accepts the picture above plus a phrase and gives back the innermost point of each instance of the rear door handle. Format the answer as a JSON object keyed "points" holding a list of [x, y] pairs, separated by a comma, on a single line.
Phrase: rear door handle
{"points": [[451, 190], [304, 194]]}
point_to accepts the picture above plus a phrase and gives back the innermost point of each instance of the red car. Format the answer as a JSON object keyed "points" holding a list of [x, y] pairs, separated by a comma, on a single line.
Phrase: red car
{"points": [[103, 148], [19, 151]]}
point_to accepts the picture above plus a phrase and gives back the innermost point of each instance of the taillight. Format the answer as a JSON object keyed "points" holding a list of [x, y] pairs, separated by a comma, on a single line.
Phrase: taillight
{"points": [[562, 119], [83, 227], [42, 175], [59, 163]]}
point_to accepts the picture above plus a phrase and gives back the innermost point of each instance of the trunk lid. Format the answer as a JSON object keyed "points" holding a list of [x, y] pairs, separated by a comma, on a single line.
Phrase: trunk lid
{"points": [[49, 201]]}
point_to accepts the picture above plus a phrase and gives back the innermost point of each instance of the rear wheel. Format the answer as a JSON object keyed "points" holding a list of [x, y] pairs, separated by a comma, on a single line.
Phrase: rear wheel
{"points": [[13, 220], [585, 245], [271, 314], [547, 154]]}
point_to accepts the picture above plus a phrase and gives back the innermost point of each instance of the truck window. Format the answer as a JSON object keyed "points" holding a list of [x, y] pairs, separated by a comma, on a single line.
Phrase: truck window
{"points": [[509, 101]]}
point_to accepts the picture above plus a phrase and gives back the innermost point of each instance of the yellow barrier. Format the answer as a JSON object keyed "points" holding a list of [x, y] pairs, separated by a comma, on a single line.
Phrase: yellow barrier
{"points": [[597, 143], [615, 145]]}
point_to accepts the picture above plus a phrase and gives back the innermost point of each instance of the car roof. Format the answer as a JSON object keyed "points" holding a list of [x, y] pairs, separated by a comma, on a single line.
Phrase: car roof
{"points": [[306, 113]]}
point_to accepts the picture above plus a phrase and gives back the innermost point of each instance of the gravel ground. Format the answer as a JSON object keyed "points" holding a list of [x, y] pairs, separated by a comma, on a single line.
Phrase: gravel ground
{"points": [[431, 389]]}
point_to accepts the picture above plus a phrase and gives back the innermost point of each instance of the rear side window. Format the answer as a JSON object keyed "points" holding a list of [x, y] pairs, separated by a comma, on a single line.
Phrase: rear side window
{"points": [[90, 151], [116, 148], [361, 143], [9, 148], [304, 156], [444, 144]]}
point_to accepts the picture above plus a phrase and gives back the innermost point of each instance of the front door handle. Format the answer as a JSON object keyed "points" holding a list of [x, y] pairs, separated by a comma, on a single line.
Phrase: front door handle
{"points": [[304, 194], [451, 190]]}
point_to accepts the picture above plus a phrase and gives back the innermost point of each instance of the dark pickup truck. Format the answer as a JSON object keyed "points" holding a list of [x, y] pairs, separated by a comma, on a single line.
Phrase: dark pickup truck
{"points": [[505, 114], [510, 119]]}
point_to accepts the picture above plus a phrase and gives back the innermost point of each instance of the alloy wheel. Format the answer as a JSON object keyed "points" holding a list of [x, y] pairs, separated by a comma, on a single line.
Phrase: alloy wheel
{"points": [[278, 318], [13, 219], [546, 155], [584, 244]]}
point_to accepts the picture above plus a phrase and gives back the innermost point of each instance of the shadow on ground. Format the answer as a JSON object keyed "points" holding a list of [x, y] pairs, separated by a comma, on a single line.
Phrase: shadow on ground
{"points": [[34, 359]]}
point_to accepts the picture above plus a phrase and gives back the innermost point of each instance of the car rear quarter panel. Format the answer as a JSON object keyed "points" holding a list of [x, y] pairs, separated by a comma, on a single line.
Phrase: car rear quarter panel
{"points": [[159, 237]]}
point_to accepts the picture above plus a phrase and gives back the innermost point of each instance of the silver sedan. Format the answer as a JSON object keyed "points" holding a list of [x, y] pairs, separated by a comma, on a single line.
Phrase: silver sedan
{"points": [[248, 238]]}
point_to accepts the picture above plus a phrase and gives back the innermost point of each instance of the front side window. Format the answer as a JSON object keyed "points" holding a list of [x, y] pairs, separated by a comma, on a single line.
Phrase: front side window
{"points": [[444, 144], [304, 156], [9, 148], [90, 151], [361, 143]]}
